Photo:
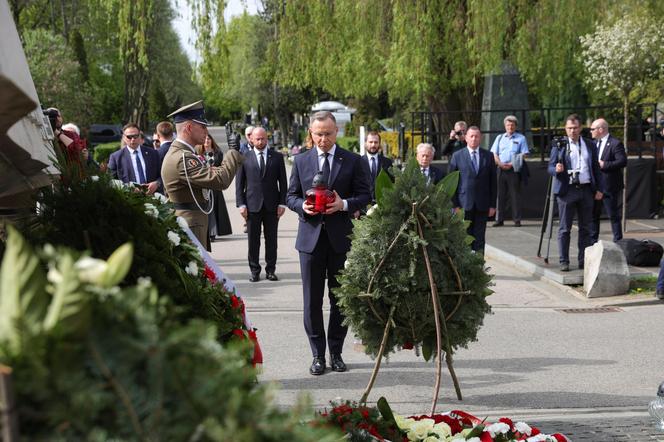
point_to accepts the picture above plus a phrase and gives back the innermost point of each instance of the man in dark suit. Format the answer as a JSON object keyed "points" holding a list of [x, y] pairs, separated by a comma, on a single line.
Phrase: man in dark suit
{"points": [[164, 132], [575, 168], [260, 192], [322, 239], [476, 193], [375, 161], [612, 160], [424, 155], [135, 163]]}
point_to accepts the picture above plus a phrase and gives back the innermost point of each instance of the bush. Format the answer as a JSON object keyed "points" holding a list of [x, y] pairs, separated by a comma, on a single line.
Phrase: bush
{"points": [[102, 152], [350, 143]]}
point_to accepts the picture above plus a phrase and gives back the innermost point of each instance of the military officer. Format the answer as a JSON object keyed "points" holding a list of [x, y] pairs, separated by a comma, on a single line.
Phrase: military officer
{"points": [[187, 178]]}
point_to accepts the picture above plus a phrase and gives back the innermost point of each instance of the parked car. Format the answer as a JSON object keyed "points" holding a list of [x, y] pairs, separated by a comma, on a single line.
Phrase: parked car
{"points": [[104, 133]]}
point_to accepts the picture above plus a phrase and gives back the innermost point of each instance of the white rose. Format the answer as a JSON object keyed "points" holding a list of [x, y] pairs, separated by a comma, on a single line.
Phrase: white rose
{"points": [[117, 184], [54, 276], [151, 209], [523, 428], [497, 428], [159, 197], [403, 422], [431, 439], [90, 269], [94, 178], [474, 439], [372, 209], [192, 268], [442, 430], [420, 429], [173, 237], [182, 223]]}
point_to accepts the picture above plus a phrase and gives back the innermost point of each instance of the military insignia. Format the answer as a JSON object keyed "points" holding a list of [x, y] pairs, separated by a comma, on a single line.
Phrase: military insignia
{"points": [[191, 163]]}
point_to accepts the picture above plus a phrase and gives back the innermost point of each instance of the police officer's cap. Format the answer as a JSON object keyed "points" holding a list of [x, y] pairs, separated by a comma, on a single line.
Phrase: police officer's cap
{"points": [[191, 112]]}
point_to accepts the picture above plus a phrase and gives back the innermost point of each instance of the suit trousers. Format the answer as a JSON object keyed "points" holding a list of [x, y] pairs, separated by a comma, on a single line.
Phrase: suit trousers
{"points": [[269, 222], [509, 183], [477, 227], [577, 200], [610, 204], [322, 262]]}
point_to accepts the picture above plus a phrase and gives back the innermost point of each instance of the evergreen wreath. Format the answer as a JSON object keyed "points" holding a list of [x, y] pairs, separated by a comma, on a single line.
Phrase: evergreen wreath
{"points": [[410, 246]]}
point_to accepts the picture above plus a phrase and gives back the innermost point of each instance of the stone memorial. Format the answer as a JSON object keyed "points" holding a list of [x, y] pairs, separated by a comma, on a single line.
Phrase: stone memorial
{"points": [[606, 272]]}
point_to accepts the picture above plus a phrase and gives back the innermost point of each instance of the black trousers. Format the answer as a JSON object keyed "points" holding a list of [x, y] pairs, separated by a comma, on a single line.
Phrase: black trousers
{"points": [[315, 267], [268, 221], [477, 227], [509, 183], [577, 201], [610, 204]]}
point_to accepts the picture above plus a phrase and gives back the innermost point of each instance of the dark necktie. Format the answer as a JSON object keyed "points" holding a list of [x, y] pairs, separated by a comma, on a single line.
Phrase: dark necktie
{"points": [[139, 166], [599, 148], [475, 164], [373, 168], [261, 164], [326, 168]]}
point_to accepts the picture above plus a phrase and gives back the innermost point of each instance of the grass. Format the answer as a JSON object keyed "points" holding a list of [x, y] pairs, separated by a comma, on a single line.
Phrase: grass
{"points": [[642, 285]]}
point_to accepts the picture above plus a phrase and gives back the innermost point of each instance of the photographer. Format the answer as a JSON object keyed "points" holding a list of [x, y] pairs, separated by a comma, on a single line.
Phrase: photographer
{"points": [[68, 142], [575, 169], [457, 139]]}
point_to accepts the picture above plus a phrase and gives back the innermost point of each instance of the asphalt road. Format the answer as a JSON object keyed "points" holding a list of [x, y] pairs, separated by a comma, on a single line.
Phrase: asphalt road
{"points": [[590, 375]]}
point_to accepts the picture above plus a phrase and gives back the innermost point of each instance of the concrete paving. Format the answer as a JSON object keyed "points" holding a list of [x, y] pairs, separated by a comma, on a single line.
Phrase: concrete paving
{"points": [[589, 375]]}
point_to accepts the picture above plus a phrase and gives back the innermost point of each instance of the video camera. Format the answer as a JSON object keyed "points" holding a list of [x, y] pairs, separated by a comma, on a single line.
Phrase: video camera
{"points": [[562, 144]]}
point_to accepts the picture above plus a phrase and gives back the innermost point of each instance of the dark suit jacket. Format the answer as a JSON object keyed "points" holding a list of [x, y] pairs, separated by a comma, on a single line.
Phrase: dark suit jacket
{"points": [[475, 191], [561, 182], [121, 168], [163, 149], [349, 177], [435, 175], [256, 191], [615, 159], [384, 163]]}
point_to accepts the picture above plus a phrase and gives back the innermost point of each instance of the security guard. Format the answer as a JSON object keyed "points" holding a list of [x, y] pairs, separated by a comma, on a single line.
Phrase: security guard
{"points": [[188, 179]]}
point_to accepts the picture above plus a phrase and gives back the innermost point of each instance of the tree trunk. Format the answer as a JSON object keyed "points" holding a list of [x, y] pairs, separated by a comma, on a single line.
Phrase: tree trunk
{"points": [[625, 125]]}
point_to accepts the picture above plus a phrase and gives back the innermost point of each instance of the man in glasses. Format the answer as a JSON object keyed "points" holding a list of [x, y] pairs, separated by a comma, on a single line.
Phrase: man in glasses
{"points": [[612, 161], [322, 238], [188, 180], [135, 163]]}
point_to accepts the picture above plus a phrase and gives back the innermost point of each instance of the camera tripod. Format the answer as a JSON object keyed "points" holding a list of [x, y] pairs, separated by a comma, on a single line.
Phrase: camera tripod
{"points": [[547, 221]]}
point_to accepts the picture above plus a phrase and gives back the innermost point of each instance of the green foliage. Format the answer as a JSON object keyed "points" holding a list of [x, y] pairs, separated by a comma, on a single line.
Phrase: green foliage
{"points": [[103, 151], [351, 143], [130, 371], [100, 217], [359, 423], [402, 282]]}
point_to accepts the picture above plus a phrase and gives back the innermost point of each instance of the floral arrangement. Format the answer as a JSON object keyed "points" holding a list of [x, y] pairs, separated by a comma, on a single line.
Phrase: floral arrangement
{"points": [[99, 214], [362, 423]]}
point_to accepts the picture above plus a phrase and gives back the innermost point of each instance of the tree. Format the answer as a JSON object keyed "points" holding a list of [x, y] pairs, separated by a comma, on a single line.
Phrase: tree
{"points": [[619, 59]]}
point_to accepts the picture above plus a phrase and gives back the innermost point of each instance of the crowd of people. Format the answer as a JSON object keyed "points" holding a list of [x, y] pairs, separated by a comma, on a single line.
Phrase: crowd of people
{"points": [[186, 164]]}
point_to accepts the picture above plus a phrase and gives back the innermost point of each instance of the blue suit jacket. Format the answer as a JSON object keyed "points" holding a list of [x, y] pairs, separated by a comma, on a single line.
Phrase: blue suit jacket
{"points": [[561, 182], [256, 191], [121, 168], [615, 159], [163, 149], [435, 175], [475, 191], [349, 177]]}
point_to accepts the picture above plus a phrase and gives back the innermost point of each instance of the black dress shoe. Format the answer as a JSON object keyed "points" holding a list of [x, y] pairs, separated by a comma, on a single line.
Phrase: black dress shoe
{"points": [[317, 367], [338, 364], [271, 277], [498, 224], [564, 267], [255, 278], [517, 223], [660, 294]]}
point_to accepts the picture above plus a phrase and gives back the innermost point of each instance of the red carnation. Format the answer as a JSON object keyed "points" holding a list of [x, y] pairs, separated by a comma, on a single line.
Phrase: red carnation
{"points": [[209, 274], [486, 437], [534, 431], [239, 333], [559, 437], [455, 425], [235, 303], [507, 421], [365, 413], [407, 346]]}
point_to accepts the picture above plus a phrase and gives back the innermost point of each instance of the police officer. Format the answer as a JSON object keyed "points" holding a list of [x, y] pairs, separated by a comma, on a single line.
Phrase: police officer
{"points": [[188, 179]]}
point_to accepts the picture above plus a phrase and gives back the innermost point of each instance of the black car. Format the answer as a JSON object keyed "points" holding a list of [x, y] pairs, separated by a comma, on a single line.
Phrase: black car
{"points": [[104, 133]]}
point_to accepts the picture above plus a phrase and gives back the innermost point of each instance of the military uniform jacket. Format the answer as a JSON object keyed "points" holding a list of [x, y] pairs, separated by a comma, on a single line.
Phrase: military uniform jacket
{"points": [[181, 163]]}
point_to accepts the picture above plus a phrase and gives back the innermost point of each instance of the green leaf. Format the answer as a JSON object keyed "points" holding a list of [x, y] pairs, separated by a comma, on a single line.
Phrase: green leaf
{"points": [[68, 301], [119, 264], [383, 182], [449, 183], [476, 431], [385, 410], [22, 287], [427, 350]]}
